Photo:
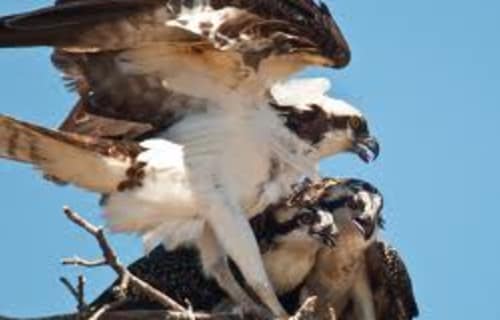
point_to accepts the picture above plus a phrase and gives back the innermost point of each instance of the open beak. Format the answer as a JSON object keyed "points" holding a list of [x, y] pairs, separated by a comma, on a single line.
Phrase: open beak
{"points": [[365, 226], [367, 149]]}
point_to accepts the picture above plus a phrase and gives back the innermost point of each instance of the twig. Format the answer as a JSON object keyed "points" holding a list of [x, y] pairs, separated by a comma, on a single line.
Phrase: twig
{"points": [[78, 293], [139, 315], [127, 279], [77, 261], [105, 308], [82, 305], [307, 310], [111, 259]]}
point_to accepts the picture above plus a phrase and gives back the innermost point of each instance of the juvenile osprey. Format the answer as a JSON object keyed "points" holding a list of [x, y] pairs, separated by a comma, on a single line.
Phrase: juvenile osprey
{"points": [[361, 278], [289, 234], [223, 54]]}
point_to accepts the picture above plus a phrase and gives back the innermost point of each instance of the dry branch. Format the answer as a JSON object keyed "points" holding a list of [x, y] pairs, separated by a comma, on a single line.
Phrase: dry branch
{"points": [[78, 293], [110, 258], [127, 280]]}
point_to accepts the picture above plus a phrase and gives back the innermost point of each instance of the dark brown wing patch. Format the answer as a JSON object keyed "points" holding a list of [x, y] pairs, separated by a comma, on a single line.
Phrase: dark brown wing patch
{"points": [[312, 21], [93, 26], [111, 148], [117, 104], [391, 284], [81, 121]]}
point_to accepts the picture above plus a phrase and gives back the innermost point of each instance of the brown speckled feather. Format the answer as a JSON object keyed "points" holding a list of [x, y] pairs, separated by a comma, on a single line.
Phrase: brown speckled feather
{"points": [[391, 284], [178, 273], [93, 163]]}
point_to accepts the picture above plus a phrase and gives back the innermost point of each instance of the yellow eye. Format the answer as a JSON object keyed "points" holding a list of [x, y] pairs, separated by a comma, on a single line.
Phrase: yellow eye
{"points": [[355, 123]]}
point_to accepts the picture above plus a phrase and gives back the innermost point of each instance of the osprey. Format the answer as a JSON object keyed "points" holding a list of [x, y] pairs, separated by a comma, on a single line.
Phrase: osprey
{"points": [[224, 56], [289, 234], [144, 177], [146, 182], [316, 216], [361, 278], [126, 56]]}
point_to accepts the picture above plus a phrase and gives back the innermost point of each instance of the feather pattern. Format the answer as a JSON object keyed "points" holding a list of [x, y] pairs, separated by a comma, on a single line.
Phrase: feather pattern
{"points": [[391, 283], [68, 157], [96, 25]]}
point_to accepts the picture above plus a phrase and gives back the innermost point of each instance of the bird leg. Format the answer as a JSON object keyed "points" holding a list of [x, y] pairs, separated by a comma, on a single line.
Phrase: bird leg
{"points": [[235, 235], [215, 264]]}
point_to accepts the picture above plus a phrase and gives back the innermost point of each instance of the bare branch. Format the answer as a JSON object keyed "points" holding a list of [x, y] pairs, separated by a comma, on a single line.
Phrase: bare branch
{"points": [[140, 315], [78, 293], [67, 284], [127, 279], [77, 261], [111, 259], [105, 308], [82, 305]]}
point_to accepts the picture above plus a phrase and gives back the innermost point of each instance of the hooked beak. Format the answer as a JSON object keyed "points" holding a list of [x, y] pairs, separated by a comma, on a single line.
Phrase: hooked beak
{"points": [[341, 59], [365, 226], [367, 149]]}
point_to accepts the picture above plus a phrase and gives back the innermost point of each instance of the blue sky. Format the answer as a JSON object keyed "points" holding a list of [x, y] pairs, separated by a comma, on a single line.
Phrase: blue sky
{"points": [[426, 74]]}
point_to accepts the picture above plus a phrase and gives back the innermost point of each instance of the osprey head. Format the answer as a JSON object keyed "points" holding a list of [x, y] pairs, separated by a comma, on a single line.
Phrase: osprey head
{"points": [[330, 125], [354, 204], [304, 224]]}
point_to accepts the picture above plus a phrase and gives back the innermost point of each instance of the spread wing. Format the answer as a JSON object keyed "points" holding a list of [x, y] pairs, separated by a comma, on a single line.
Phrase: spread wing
{"points": [[116, 52], [91, 25], [242, 25], [391, 284], [98, 165]]}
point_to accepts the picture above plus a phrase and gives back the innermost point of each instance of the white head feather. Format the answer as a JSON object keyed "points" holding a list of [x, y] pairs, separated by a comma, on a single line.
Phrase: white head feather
{"points": [[301, 93]]}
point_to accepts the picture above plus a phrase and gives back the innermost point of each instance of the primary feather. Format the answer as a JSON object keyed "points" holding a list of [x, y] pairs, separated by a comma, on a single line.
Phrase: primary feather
{"points": [[95, 164]]}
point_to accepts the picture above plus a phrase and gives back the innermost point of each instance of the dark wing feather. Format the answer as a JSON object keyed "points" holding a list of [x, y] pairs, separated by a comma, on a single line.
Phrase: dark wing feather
{"points": [[89, 36], [90, 25], [96, 25], [391, 284], [139, 103], [81, 121], [68, 157]]}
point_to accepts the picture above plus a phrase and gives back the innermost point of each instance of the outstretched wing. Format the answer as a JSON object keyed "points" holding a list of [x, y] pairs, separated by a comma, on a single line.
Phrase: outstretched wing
{"points": [[115, 51], [98, 165], [242, 25], [391, 283], [92, 25]]}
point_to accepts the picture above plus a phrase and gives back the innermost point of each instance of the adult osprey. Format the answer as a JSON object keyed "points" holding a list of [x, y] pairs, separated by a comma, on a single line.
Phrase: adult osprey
{"points": [[100, 44], [224, 56]]}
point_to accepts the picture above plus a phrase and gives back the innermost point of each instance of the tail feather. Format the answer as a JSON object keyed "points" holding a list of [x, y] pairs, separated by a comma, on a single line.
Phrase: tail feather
{"points": [[98, 165]]}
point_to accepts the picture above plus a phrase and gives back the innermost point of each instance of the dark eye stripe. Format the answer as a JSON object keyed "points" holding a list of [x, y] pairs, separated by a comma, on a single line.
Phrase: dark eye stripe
{"points": [[332, 206]]}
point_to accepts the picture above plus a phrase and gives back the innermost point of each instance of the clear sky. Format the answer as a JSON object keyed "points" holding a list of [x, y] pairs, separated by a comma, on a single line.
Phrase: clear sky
{"points": [[426, 74]]}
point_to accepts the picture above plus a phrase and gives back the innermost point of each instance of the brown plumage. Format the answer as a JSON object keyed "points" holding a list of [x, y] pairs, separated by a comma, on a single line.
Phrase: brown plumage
{"points": [[94, 163], [179, 273], [391, 283], [96, 25], [90, 35]]}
